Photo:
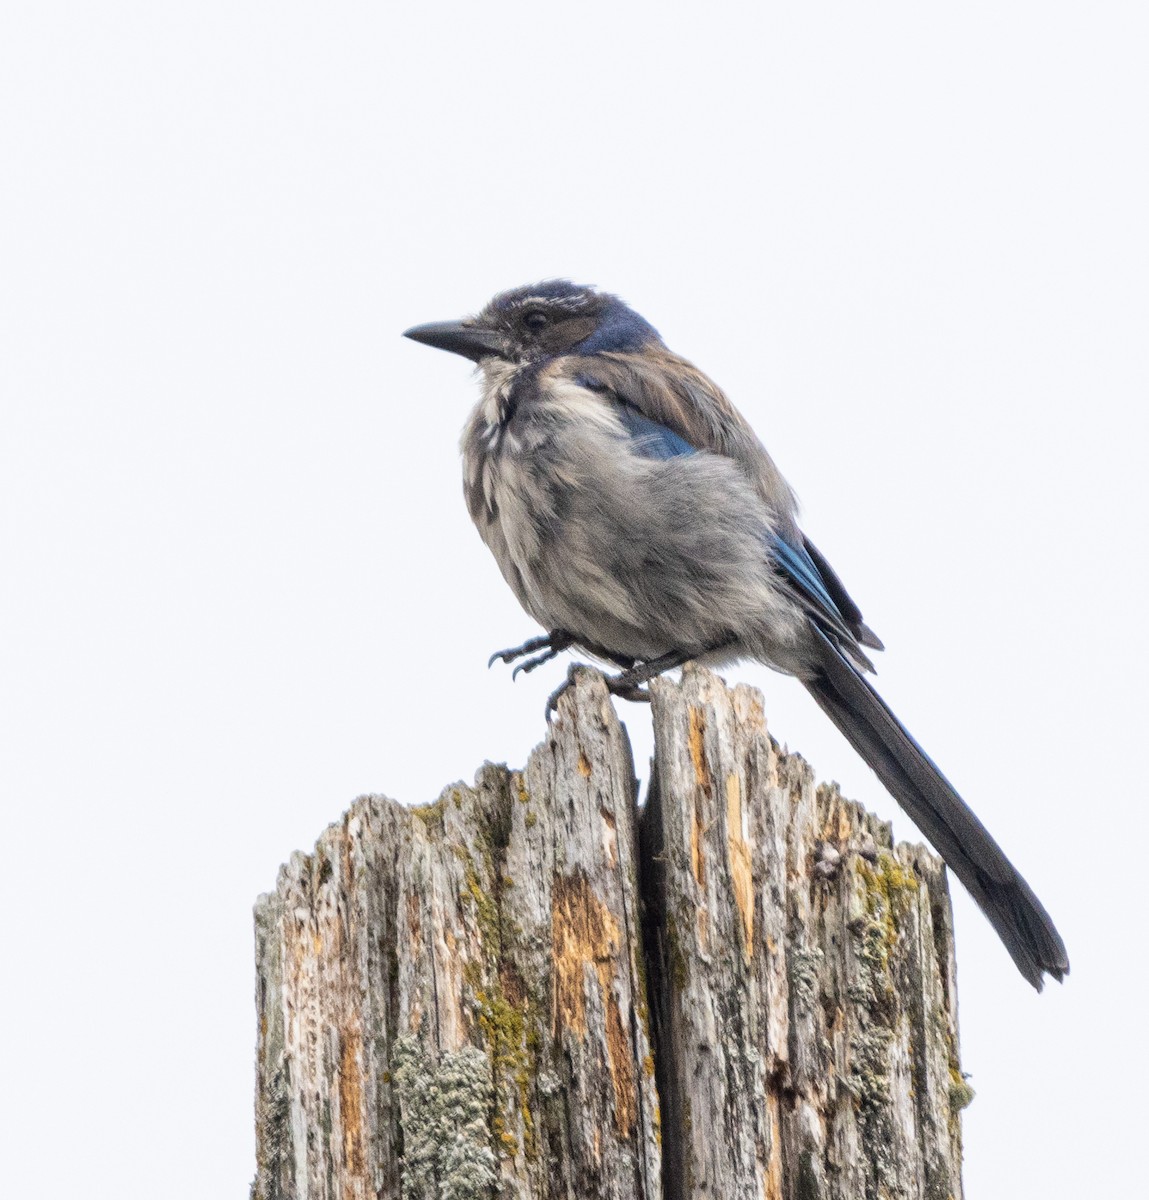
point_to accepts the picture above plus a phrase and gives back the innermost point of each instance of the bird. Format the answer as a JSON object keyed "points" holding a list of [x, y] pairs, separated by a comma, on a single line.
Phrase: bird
{"points": [[637, 516]]}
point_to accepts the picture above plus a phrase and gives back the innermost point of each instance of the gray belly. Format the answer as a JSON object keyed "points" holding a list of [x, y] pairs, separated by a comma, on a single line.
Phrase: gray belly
{"points": [[640, 556]]}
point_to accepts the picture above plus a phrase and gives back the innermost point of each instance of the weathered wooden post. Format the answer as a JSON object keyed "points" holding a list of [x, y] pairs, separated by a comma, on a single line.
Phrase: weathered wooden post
{"points": [[528, 990]]}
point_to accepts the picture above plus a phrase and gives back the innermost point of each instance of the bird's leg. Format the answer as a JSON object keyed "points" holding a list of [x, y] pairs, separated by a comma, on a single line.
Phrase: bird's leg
{"points": [[551, 643], [627, 684]]}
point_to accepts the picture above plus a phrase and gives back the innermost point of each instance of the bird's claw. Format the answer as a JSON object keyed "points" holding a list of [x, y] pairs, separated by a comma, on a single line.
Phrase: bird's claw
{"points": [[525, 668], [528, 647], [554, 697], [551, 643]]}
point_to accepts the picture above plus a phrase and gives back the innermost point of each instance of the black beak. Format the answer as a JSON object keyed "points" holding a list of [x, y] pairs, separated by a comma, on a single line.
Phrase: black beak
{"points": [[460, 337]]}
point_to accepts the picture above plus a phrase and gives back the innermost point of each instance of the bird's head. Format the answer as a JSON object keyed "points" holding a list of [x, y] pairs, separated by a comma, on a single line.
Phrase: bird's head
{"points": [[541, 321]]}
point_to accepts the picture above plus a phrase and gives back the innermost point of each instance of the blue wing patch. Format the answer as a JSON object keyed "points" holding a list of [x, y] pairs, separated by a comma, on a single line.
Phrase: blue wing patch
{"points": [[802, 573], [649, 438], [799, 568]]}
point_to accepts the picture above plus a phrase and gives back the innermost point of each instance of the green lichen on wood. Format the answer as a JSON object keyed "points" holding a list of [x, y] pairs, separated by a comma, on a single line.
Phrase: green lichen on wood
{"points": [[508, 1017], [431, 814], [443, 1104], [486, 908], [511, 1032], [890, 890], [960, 1094]]}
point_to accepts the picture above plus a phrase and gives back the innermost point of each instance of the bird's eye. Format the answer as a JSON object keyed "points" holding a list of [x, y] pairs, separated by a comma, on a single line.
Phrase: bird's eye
{"points": [[535, 321]]}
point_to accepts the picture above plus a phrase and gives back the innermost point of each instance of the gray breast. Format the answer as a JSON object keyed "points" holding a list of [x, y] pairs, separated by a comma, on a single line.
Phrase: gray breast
{"points": [[509, 498]]}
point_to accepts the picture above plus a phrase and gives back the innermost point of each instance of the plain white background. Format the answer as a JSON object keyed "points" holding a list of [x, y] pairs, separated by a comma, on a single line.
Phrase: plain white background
{"points": [[239, 586]]}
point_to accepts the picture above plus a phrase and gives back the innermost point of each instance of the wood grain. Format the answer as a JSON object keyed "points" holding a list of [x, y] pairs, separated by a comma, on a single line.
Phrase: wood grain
{"points": [[518, 992]]}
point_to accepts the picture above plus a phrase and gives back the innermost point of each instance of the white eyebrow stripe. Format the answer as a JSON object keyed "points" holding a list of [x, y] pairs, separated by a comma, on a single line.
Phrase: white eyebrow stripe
{"points": [[571, 302]]}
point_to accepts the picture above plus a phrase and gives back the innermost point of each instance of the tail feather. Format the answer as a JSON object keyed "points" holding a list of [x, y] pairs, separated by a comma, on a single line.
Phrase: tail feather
{"points": [[942, 815]]}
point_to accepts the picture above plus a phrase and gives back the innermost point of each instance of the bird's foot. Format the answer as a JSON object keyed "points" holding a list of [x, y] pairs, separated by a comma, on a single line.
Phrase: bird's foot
{"points": [[621, 685], [551, 644], [627, 684]]}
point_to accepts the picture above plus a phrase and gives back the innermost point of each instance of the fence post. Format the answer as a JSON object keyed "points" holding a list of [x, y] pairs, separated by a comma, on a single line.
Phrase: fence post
{"points": [[530, 989]]}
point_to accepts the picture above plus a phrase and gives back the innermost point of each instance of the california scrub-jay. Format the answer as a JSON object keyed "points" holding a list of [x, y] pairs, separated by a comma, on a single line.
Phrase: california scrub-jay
{"points": [[636, 515]]}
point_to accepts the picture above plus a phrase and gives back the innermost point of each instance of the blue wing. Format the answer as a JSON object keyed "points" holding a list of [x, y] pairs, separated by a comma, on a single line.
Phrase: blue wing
{"points": [[808, 586], [795, 563]]}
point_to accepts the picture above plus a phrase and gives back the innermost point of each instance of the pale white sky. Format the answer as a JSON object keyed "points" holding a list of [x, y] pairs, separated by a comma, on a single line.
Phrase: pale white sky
{"points": [[239, 583]]}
